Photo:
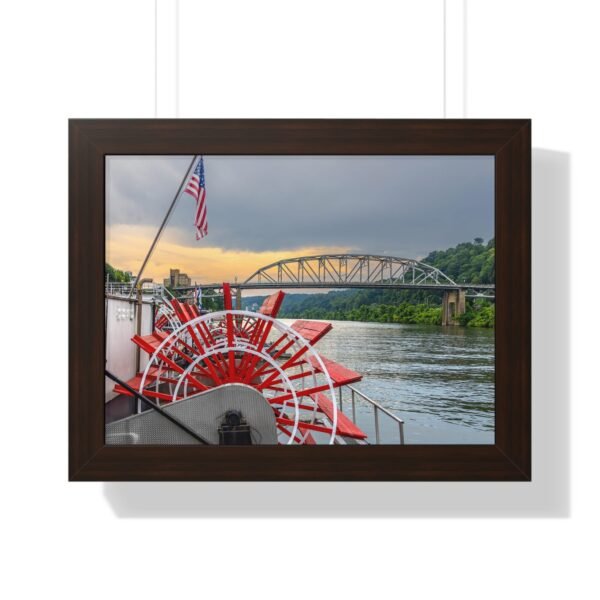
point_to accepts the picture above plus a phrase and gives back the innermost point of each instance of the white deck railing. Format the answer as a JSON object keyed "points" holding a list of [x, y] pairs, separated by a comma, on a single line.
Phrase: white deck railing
{"points": [[377, 410], [113, 288]]}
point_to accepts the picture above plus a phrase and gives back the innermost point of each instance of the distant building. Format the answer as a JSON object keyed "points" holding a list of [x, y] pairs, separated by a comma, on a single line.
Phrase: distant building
{"points": [[177, 279]]}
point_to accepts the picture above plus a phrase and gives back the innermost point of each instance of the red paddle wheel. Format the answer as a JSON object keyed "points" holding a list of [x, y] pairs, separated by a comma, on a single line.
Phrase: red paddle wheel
{"points": [[201, 353]]}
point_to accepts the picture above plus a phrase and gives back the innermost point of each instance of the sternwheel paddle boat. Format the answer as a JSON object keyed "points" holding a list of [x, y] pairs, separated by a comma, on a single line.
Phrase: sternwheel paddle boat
{"points": [[237, 377]]}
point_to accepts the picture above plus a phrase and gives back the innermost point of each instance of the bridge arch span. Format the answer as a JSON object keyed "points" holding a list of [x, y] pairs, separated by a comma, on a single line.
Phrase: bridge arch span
{"points": [[350, 270]]}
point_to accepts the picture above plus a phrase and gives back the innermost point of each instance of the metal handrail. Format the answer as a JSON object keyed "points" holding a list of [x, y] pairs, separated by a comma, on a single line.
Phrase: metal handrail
{"points": [[116, 288], [376, 408]]}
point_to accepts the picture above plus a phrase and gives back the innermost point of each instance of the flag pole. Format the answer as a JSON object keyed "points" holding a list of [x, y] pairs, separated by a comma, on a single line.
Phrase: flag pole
{"points": [[163, 224]]}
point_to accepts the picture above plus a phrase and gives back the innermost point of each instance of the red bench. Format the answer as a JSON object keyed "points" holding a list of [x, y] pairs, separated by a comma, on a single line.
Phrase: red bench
{"points": [[271, 305], [136, 381], [149, 343], [339, 374], [311, 331]]}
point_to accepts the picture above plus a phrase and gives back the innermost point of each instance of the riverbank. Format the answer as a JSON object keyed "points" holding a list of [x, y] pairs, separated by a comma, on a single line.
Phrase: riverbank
{"points": [[478, 314]]}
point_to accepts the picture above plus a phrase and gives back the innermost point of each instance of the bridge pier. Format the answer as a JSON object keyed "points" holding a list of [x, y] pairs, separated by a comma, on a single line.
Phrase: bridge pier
{"points": [[453, 305]]}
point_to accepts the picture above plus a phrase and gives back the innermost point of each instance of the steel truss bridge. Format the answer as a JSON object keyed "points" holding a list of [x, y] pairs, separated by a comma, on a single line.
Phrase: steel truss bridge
{"points": [[345, 271]]}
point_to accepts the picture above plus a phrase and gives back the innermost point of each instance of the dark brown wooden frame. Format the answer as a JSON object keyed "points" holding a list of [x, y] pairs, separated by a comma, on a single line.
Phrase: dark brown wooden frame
{"points": [[509, 459]]}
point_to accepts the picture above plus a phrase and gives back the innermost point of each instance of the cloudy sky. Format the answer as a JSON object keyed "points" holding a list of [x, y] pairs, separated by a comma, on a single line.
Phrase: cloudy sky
{"points": [[265, 208]]}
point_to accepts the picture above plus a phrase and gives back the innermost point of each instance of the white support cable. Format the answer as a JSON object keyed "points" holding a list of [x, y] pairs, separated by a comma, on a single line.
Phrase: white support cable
{"points": [[166, 58], [455, 59], [444, 59], [177, 46], [156, 59]]}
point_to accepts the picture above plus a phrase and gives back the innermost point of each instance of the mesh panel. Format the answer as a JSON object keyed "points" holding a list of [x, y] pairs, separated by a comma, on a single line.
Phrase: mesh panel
{"points": [[202, 413]]}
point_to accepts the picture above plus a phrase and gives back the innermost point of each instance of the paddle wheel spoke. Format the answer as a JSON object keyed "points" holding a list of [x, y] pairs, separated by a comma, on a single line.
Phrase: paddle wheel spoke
{"points": [[293, 377], [310, 407], [212, 368], [276, 356], [262, 333], [286, 365], [160, 395], [229, 331], [270, 371], [300, 393], [217, 373], [160, 355], [282, 350], [287, 432], [305, 426]]}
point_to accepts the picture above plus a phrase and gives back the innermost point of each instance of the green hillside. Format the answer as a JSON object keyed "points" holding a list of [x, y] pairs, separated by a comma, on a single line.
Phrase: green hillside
{"points": [[470, 262]]}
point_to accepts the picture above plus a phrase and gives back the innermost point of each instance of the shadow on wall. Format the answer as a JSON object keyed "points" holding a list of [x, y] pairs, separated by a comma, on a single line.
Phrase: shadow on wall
{"points": [[548, 495]]}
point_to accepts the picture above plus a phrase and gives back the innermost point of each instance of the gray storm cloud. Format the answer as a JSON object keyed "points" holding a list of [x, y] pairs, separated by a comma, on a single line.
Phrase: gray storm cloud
{"points": [[404, 206]]}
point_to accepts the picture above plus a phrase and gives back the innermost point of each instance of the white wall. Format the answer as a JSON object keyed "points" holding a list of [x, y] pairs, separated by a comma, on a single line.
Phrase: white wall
{"points": [[121, 324], [332, 59]]}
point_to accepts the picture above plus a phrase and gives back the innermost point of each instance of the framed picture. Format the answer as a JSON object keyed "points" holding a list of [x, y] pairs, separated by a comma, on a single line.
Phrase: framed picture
{"points": [[289, 300]]}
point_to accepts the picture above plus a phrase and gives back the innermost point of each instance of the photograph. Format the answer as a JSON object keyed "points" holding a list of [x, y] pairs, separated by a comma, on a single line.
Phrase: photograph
{"points": [[314, 300], [318, 277]]}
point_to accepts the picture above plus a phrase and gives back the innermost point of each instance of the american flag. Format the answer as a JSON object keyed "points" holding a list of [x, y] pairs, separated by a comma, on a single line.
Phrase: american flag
{"points": [[196, 188]]}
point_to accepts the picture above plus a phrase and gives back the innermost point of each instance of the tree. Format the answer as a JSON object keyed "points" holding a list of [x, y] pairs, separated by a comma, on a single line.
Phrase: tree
{"points": [[467, 262], [115, 275]]}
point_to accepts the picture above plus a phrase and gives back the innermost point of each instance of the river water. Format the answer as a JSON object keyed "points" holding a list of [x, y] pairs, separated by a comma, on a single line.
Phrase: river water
{"points": [[440, 380]]}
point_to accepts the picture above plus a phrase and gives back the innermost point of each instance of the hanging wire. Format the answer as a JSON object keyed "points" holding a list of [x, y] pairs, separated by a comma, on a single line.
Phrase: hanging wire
{"points": [[176, 59], [444, 85], [177, 53], [155, 59], [465, 60]]}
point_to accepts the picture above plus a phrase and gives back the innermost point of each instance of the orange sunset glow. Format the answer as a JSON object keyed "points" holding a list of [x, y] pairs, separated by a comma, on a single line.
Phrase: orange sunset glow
{"points": [[126, 246]]}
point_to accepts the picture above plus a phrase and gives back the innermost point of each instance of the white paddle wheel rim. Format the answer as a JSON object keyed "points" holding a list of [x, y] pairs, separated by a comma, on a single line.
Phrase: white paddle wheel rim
{"points": [[165, 310], [242, 345]]}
